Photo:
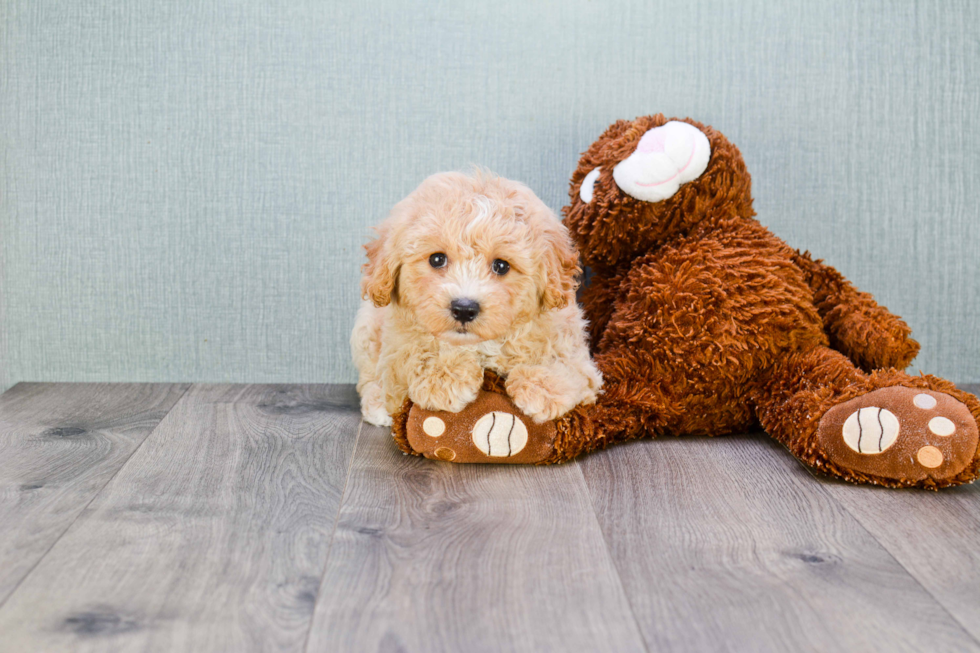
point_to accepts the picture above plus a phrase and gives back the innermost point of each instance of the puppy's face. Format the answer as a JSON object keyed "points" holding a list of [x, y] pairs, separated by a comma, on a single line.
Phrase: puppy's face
{"points": [[470, 256], [468, 276]]}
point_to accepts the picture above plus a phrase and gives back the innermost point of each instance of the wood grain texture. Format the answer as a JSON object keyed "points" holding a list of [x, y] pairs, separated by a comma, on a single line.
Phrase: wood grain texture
{"points": [[729, 544], [433, 556], [59, 446], [213, 536], [935, 536]]}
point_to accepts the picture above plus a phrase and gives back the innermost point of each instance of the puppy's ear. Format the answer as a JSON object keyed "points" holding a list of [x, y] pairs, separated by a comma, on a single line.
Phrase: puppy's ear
{"points": [[380, 281], [561, 268], [559, 272]]}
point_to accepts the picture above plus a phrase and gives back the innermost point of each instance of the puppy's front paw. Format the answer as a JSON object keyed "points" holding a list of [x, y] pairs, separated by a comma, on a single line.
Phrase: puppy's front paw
{"points": [[444, 392], [376, 415], [373, 405], [540, 393]]}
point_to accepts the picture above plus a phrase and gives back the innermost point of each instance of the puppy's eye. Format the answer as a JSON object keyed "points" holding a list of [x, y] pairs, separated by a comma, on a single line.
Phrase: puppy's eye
{"points": [[438, 260], [500, 266]]}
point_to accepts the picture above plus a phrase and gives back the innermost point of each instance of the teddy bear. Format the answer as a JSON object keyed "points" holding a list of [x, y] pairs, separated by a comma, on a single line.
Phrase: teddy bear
{"points": [[702, 321]]}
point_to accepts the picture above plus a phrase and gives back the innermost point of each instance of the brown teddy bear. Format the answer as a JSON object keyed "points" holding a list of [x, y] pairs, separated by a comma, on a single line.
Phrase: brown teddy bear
{"points": [[703, 322]]}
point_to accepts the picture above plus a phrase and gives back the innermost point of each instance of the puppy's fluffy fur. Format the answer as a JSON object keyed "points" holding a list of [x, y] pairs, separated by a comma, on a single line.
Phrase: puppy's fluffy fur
{"points": [[406, 341]]}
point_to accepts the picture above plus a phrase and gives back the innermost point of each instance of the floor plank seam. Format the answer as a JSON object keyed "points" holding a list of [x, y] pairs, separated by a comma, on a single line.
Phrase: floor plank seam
{"points": [[820, 479], [891, 555], [94, 496], [612, 558], [333, 535]]}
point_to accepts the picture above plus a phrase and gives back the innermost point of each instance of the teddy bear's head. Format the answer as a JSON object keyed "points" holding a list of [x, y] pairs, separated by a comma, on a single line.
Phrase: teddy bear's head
{"points": [[647, 179]]}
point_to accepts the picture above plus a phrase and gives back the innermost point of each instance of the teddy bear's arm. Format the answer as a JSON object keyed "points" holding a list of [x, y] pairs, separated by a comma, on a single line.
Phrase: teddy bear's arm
{"points": [[599, 303], [858, 327]]}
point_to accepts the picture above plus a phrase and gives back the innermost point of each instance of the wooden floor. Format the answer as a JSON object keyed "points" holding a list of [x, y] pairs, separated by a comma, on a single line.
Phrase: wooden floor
{"points": [[269, 518]]}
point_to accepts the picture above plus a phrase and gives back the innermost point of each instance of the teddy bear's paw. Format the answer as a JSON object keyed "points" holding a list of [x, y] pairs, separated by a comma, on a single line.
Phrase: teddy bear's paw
{"points": [[489, 430], [905, 434]]}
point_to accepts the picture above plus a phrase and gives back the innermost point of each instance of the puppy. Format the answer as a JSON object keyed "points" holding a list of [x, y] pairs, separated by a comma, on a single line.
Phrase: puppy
{"points": [[471, 272]]}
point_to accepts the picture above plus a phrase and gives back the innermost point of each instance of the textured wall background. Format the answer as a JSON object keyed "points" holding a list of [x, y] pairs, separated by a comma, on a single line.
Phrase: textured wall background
{"points": [[186, 185]]}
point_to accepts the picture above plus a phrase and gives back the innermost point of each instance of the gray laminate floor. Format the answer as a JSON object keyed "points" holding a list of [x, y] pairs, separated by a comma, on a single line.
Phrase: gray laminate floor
{"points": [[269, 518]]}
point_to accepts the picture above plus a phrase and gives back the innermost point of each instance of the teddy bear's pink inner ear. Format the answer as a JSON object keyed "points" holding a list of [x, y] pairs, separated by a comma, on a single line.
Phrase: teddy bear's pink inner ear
{"points": [[665, 158]]}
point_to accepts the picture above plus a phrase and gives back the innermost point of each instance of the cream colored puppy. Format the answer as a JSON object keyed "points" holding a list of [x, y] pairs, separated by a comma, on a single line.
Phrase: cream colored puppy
{"points": [[471, 272]]}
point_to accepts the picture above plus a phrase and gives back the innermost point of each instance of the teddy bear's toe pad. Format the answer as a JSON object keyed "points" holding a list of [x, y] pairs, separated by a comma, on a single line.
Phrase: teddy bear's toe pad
{"points": [[489, 430], [900, 433]]}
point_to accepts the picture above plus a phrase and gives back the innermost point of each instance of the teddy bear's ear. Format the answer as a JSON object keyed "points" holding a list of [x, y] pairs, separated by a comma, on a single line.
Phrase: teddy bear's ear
{"points": [[665, 158], [380, 281], [587, 190]]}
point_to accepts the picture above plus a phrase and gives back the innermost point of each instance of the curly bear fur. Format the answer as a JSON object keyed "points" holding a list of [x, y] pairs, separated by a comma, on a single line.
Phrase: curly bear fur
{"points": [[704, 322]]}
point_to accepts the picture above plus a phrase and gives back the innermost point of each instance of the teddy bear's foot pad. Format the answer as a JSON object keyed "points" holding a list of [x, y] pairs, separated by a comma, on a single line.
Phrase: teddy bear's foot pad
{"points": [[489, 430], [901, 433]]}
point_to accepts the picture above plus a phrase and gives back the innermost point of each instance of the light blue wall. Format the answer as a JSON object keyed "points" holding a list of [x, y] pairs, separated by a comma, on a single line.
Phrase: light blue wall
{"points": [[186, 185]]}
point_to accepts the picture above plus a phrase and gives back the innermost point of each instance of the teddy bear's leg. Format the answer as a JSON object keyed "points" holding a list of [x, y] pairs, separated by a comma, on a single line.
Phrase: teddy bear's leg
{"points": [[868, 334], [886, 427]]}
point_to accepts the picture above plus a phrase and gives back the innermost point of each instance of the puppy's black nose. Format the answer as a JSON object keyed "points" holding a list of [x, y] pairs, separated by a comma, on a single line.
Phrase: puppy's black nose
{"points": [[464, 310]]}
